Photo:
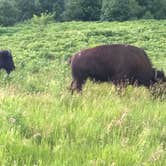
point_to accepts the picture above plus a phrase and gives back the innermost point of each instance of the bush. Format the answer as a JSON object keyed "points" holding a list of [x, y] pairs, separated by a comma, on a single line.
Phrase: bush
{"points": [[42, 21]]}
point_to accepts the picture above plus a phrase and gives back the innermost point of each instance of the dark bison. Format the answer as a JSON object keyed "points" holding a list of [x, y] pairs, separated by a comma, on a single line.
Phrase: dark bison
{"points": [[6, 61], [116, 63]]}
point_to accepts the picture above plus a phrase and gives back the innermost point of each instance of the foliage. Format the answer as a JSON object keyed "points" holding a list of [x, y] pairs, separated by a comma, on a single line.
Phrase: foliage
{"points": [[9, 12], [82, 10], [120, 10], [14, 11], [56, 7], [42, 124], [28, 8], [42, 21], [156, 8]]}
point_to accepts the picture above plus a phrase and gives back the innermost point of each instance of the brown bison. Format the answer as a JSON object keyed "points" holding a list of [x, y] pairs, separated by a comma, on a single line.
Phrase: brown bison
{"points": [[6, 61], [116, 63]]}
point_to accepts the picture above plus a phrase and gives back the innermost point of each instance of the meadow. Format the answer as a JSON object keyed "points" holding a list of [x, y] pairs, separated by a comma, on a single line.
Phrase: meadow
{"points": [[42, 124]]}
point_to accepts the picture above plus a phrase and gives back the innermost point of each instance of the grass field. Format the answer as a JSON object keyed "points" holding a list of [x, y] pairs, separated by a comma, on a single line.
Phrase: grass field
{"points": [[41, 124]]}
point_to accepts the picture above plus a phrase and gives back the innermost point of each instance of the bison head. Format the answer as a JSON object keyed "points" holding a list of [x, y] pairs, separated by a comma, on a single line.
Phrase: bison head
{"points": [[6, 61], [159, 76]]}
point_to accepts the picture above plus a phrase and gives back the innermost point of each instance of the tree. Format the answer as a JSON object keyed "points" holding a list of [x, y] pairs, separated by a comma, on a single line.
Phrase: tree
{"points": [[57, 9], [82, 10], [153, 8], [28, 8], [120, 10], [50, 6], [8, 12], [159, 9]]}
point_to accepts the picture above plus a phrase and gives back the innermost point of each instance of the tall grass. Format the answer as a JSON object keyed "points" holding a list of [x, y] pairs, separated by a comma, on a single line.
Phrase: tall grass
{"points": [[42, 124]]}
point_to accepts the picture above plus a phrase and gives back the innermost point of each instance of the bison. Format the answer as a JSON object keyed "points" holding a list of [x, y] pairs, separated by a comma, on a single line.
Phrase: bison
{"points": [[116, 63], [6, 61]]}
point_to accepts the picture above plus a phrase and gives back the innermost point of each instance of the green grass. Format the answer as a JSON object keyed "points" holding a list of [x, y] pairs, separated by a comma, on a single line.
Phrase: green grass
{"points": [[42, 124]]}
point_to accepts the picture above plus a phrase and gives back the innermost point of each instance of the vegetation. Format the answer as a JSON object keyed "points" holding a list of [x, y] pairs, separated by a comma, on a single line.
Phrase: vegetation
{"points": [[13, 11], [42, 124]]}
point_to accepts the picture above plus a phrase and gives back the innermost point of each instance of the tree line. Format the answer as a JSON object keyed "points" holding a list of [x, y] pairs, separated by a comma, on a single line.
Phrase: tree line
{"points": [[13, 11]]}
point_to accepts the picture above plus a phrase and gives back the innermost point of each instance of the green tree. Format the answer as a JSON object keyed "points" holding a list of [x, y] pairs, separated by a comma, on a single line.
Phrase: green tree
{"points": [[82, 10], [28, 8], [58, 7], [159, 9], [8, 12], [55, 7], [119, 10], [36, 7], [153, 8]]}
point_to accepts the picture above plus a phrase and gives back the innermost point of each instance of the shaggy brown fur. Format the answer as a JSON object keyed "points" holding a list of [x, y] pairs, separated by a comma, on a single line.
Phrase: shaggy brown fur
{"points": [[6, 61], [116, 63]]}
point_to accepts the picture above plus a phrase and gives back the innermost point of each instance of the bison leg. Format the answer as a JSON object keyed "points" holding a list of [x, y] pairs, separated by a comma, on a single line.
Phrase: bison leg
{"points": [[121, 87], [120, 83], [76, 85]]}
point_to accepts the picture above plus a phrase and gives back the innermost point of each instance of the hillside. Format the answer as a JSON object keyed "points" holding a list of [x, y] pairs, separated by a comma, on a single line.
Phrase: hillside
{"points": [[42, 124]]}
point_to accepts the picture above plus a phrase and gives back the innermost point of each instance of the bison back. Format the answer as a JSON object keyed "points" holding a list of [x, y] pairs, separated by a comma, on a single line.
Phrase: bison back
{"points": [[112, 62]]}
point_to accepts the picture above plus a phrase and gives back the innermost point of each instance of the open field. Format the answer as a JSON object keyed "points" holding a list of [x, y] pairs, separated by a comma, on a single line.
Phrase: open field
{"points": [[42, 124]]}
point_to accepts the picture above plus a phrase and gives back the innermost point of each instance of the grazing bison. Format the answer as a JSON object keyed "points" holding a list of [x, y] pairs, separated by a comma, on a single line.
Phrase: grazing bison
{"points": [[116, 63], [6, 61]]}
